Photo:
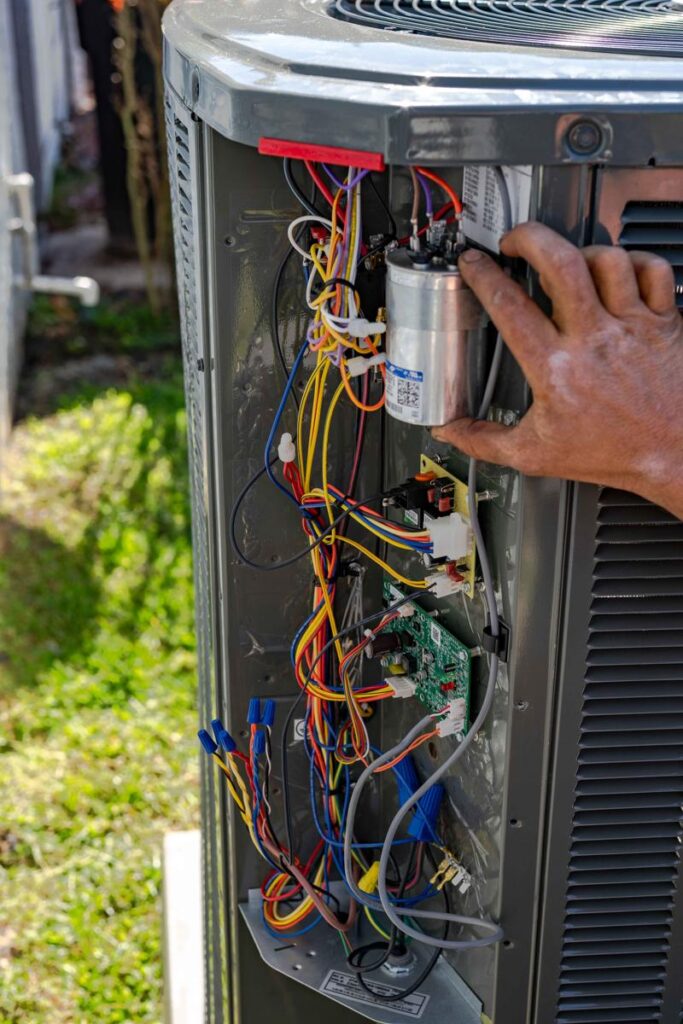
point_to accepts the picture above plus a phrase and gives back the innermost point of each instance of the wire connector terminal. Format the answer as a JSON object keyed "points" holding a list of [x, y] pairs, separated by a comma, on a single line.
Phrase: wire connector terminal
{"points": [[223, 737], [370, 879], [207, 742], [286, 450], [360, 328], [451, 536], [358, 365], [454, 720], [450, 870], [254, 711], [269, 713], [403, 686]]}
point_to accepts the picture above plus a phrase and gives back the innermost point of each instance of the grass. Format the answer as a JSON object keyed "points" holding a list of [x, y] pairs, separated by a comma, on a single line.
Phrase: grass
{"points": [[97, 695]]}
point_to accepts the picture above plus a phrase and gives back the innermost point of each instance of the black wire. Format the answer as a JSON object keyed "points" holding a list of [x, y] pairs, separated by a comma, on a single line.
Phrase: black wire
{"points": [[273, 567], [297, 192], [393, 229], [356, 957], [431, 963], [284, 759], [274, 321], [344, 281]]}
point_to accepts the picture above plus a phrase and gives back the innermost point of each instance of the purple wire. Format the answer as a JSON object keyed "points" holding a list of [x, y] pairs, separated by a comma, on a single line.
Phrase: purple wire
{"points": [[340, 184], [429, 206]]}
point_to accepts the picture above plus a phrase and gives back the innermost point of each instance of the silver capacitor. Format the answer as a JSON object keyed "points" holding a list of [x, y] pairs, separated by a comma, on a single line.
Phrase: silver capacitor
{"points": [[435, 341]]}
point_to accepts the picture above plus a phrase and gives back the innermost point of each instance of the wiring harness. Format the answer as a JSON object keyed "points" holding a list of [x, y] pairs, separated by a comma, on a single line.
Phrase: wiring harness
{"points": [[398, 879]]}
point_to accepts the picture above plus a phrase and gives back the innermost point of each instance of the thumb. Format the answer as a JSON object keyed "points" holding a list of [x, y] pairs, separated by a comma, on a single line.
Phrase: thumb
{"points": [[484, 441]]}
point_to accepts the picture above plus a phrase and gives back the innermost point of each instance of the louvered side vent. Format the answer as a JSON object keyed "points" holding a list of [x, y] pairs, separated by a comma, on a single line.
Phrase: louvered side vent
{"points": [[183, 170], [627, 824], [658, 228], [182, 191]]}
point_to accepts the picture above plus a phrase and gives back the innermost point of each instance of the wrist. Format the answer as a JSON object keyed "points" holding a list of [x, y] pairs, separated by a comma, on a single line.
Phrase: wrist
{"points": [[659, 479]]}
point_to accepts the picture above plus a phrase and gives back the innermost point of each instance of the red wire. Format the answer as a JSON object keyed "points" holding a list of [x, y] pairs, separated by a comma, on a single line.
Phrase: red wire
{"points": [[311, 168]]}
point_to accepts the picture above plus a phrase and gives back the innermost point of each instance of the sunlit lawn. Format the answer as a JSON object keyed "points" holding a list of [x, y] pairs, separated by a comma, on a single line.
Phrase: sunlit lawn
{"points": [[97, 693]]}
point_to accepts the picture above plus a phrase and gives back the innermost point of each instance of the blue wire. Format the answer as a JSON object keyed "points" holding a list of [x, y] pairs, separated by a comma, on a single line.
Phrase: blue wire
{"points": [[276, 423], [301, 631]]}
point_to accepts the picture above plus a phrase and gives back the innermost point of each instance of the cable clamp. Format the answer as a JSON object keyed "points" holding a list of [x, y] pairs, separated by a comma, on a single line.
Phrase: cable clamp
{"points": [[498, 645]]}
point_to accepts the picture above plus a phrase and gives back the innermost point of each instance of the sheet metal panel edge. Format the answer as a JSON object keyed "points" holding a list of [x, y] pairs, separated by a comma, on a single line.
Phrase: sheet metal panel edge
{"points": [[250, 69]]}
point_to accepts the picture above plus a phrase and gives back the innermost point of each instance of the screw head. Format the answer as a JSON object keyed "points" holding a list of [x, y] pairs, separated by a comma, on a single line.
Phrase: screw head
{"points": [[585, 138]]}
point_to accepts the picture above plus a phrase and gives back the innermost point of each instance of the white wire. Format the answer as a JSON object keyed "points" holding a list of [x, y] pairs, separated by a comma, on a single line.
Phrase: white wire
{"points": [[303, 220]]}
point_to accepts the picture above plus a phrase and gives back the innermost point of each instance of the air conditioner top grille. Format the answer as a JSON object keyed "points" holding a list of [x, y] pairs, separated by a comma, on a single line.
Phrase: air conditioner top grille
{"points": [[649, 27]]}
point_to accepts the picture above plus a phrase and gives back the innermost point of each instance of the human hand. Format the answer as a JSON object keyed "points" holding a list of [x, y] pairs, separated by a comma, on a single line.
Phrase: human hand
{"points": [[606, 369]]}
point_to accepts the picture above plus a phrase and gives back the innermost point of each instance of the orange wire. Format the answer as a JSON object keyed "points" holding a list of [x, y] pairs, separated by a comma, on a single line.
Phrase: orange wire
{"points": [[452, 195], [416, 743]]}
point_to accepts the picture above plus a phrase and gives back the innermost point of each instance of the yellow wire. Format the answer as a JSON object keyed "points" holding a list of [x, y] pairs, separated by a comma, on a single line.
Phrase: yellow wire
{"points": [[326, 441], [375, 925], [414, 584]]}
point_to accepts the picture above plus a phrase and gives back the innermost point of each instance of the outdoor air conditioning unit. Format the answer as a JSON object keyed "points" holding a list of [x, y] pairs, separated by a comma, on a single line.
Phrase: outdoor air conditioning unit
{"points": [[565, 814]]}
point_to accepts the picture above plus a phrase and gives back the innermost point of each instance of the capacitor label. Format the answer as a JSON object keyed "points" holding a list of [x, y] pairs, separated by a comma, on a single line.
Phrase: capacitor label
{"points": [[404, 391]]}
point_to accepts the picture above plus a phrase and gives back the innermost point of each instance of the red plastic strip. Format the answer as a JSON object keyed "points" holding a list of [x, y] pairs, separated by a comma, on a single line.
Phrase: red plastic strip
{"points": [[322, 154]]}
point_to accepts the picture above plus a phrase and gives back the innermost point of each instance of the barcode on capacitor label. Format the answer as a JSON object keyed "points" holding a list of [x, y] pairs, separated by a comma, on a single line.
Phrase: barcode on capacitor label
{"points": [[404, 391]]}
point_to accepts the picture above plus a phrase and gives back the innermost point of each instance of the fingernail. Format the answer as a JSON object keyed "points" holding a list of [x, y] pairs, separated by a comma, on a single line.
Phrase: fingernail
{"points": [[471, 256]]}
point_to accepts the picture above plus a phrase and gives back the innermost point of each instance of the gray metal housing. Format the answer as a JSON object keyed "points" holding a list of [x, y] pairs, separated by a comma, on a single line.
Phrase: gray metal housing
{"points": [[235, 72]]}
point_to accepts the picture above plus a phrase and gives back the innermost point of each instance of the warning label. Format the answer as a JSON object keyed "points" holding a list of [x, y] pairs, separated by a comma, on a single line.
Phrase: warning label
{"points": [[346, 985], [483, 219]]}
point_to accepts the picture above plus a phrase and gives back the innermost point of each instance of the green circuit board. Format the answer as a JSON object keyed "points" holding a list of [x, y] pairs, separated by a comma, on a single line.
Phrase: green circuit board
{"points": [[440, 663]]}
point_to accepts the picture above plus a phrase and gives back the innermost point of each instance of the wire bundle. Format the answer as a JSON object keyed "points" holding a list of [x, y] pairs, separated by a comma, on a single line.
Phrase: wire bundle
{"points": [[327, 655]]}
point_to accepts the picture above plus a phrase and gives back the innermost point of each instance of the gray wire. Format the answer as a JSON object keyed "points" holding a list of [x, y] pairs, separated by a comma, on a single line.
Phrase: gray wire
{"points": [[494, 626]]}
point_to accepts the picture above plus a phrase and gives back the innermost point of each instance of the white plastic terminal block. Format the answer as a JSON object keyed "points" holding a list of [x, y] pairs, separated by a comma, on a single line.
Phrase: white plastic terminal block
{"points": [[403, 686], [360, 328], [442, 585], [359, 365], [286, 450], [406, 611], [451, 536], [454, 722]]}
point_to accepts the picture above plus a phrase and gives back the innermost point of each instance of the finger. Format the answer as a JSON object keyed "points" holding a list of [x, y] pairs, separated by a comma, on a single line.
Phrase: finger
{"points": [[563, 273], [488, 442], [614, 278], [525, 328], [656, 281]]}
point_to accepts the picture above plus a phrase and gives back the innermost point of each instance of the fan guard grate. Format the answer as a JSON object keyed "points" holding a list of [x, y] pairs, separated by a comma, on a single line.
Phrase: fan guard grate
{"points": [[644, 27]]}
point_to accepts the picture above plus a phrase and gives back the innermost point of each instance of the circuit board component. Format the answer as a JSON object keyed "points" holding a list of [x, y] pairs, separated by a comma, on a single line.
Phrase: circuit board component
{"points": [[437, 662], [467, 566]]}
